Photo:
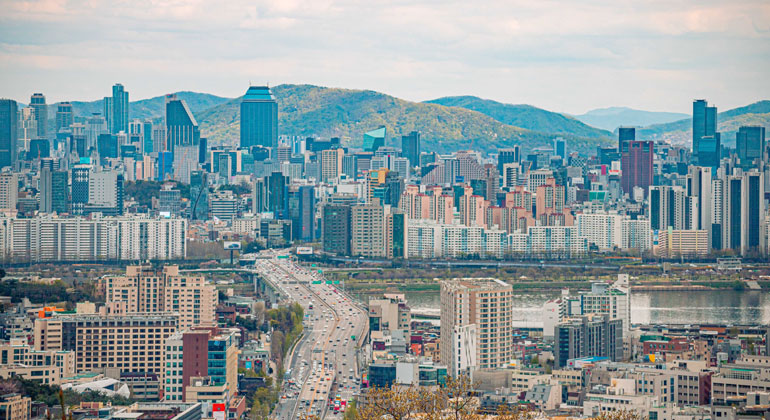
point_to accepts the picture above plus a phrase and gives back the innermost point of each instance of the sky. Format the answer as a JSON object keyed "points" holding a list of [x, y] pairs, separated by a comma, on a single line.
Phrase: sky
{"points": [[562, 55]]}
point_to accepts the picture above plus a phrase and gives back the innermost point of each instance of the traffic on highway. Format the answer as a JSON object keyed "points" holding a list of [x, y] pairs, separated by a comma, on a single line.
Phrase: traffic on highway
{"points": [[322, 370]]}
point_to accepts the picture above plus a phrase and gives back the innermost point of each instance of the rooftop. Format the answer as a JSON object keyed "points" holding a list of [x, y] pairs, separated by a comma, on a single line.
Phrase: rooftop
{"points": [[258, 93]]}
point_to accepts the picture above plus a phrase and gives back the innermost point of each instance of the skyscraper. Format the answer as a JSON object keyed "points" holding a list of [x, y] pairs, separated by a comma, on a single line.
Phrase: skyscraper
{"points": [[278, 195], [181, 126], [336, 229], [37, 102], [118, 118], [625, 134], [302, 212], [199, 195], [511, 155], [9, 132], [410, 148], [259, 118], [704, 124], [750, 145], [636, 164], [560, 147], [64, 116], [588, 336], [374, 139]]}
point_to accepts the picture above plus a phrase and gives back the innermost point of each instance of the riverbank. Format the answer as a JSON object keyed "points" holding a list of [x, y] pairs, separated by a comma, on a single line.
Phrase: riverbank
{"points": [[375, 286]]}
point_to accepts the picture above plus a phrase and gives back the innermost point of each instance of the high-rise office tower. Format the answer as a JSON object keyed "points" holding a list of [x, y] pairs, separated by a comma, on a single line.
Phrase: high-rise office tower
{"points": [[118, 118], [636, 164], [278, 195], [560, 147], [181, 126], [374, 139], [302, 212], [64, 116], [9, 132], [53, 191], [410, 148], [199, 195], [750, 146], [510, 155], [475, 324], [81, 175], [37, 102], [95, 126], [704, 124], [336, 229], [625, 134], [259, 118]]}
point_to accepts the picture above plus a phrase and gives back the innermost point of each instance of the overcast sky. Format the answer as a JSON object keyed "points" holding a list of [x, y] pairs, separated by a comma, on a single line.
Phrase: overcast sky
{"points": [[562, 55]]}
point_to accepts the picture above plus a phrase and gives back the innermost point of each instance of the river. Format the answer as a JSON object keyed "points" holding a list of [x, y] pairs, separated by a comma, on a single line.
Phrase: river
{"points": [[658, 307]]}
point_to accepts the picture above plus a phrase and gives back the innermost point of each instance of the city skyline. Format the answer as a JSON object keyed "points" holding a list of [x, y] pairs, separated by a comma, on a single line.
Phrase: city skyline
{"points": [[604, 55]]}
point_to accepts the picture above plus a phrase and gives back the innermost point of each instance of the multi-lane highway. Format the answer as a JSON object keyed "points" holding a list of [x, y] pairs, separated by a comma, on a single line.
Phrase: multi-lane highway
{"points": [[323, 366]]}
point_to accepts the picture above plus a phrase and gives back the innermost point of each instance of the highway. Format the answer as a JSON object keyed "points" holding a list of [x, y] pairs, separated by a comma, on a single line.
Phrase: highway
{"points": [[324, 363]]}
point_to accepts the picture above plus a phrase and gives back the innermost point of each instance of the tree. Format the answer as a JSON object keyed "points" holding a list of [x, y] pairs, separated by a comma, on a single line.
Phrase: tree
{"points": [[350, 412], [620, 415]]}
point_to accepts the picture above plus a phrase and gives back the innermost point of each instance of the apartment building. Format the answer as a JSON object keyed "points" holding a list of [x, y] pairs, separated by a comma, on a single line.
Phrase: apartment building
{"points": [[49, 237], [475, 324], [126, 342], [144, 289]]}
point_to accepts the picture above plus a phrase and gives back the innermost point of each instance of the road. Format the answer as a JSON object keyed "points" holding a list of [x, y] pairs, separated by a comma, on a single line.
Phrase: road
{"points": [[323, 364]]}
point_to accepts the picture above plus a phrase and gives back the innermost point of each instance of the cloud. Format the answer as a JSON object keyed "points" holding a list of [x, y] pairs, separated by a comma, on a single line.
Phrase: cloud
{"points": [[557, 54]]}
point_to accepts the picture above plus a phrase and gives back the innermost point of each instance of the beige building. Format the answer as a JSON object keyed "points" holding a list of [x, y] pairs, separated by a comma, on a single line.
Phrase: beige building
{"points": [[18, 358], [367, 231], [15, 407], [475, 324], [147, 290], [331, 164], [681, 243], [9, 191], [128, 343]]}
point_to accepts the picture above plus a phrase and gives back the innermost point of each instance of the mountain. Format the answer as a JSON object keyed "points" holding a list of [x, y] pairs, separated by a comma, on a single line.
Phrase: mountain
{"points": [[306, 110], [680, 132], [525, 116], [145, 108], [614, 117]]}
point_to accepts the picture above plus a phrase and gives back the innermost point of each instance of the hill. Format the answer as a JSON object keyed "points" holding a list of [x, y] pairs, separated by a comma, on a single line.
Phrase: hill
{"points": [[680, 132], [614, 117], [306, 110], [144, 108], [524, 116]]}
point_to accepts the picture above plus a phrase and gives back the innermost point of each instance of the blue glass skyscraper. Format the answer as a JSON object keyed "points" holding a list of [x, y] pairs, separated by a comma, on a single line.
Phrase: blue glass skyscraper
{"points": [[259, 118], [181, 126], [9, 132]]}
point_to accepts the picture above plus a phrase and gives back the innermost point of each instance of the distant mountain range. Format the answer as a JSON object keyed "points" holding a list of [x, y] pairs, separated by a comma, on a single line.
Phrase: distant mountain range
{"points": [[525, 116], [446, 124], [307, 110], [614, 117], [146, 108], [728, 122]]}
